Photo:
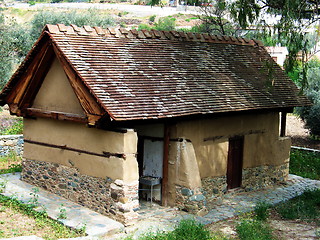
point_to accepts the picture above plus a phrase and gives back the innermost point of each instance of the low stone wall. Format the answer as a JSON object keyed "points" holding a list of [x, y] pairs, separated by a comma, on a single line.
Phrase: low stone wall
{"points": [[110, 197], [11, 144]]}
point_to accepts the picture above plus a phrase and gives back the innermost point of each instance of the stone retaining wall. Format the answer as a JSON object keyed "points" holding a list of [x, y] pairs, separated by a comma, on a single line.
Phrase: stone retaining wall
{"points": [[11, 144], [110, 197]]}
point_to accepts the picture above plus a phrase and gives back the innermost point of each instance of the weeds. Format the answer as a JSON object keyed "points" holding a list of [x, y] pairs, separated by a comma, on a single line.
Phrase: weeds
{"points": [[262, 211], [254, 230], [62, 212], [186, 230]]}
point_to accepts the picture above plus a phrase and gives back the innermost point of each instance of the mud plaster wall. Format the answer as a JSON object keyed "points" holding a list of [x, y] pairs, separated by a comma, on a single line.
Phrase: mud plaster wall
{"points": [[79, 136], [262, 145], [198, 163], [56, 93]]}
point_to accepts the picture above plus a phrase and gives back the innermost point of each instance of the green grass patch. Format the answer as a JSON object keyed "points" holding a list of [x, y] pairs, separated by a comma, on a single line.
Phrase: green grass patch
{"points": [[305, 207], [186, 230], [305, 164], [250, 229], [10, 163], [58, 230]]}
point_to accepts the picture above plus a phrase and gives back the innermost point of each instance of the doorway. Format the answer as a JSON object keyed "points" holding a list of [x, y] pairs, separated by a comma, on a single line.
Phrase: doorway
{"points": [[150, 162], [235, 161]]}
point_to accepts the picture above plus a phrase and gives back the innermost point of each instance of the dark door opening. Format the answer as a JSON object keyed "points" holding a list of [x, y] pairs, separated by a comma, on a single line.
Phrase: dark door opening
{"points": [[150, 163], [235, 159]]}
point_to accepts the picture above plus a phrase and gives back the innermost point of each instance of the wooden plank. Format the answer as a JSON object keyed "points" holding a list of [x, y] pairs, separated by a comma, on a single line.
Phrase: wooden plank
{"points": [[165, 166], [19, 90], [37, 78], [65, 147], [35, 112]]}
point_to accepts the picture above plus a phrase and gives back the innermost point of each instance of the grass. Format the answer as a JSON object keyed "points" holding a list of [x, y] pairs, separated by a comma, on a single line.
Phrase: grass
{"points": [[49, 228], [252, 229], [10, 163], [186, 230], [305, 207], [305, 164]]}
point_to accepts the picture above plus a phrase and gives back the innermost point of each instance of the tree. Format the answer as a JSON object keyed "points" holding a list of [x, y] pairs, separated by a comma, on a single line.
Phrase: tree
{"points": [[17, 39]]}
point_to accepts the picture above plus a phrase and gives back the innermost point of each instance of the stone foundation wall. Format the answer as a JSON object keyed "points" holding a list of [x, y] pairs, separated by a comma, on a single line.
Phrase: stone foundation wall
{"points": [[190, 200], [110, 197], [252, 179], [264, 176], [11, 144]]}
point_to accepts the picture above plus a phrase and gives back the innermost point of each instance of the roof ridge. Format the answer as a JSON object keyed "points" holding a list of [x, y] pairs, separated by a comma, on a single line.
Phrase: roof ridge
{"points": [[148, 34]]}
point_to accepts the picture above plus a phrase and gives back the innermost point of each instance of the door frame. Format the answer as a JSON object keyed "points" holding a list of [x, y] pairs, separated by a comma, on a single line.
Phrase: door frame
{"points": [[235, 162]]}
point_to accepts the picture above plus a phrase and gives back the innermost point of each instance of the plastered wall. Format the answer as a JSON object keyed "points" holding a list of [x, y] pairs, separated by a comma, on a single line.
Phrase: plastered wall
{"points": [[209, 137], [56, 93], [78, 136]]}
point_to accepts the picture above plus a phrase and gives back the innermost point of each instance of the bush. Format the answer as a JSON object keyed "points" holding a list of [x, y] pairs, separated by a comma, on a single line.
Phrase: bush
{"points": [[165, 24]]}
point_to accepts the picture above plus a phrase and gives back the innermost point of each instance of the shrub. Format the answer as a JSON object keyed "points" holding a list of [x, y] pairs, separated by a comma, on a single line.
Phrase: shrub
{"points": [[152, 18], [165, 24]]}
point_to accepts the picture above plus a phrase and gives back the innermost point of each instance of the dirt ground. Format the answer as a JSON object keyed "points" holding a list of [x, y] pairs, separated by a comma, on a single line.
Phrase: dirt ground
{"points": [[299, 135]]}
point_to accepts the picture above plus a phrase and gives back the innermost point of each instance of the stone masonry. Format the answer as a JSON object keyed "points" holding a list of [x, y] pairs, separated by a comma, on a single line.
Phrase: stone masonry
{"points": [[110, 197], [252, 179], [11, 144]]}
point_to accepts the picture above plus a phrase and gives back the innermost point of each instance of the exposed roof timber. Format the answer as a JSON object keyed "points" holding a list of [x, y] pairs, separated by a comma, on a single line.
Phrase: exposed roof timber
{"points": [[89, 103]]}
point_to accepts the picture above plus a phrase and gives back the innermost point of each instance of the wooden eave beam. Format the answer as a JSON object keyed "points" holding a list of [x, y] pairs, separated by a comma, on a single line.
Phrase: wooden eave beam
{"points": [[35, 112], [88, 102], [19, 93]]}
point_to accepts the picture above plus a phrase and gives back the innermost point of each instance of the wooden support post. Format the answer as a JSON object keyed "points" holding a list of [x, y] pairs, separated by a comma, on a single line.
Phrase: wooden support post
{"points": [[166, 142], [283, 124]]}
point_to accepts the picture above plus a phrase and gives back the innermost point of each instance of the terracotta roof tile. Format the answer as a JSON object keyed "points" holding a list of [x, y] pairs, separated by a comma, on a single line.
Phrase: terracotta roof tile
{"points": [[157, 74]]}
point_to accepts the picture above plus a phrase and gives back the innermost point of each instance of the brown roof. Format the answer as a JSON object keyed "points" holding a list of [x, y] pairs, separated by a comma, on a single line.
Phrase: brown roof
{"points": [[157, 74]]}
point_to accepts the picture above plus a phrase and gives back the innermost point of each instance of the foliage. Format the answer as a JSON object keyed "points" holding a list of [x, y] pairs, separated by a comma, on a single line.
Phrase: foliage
{"points": [[262, 211], [305, 164], [165, 24], [214, 19], [90, 17], [305, 207], [250, 229], [17, 39], [58, 230], [14, 44], [311, 114]]}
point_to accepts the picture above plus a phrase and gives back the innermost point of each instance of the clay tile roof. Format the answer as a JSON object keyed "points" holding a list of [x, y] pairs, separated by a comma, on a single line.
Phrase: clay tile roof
{"points": [[158, 74]]}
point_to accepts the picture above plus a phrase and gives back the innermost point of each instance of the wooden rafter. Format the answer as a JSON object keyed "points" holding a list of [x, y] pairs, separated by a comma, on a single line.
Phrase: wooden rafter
{"points": [[91, 107]]}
